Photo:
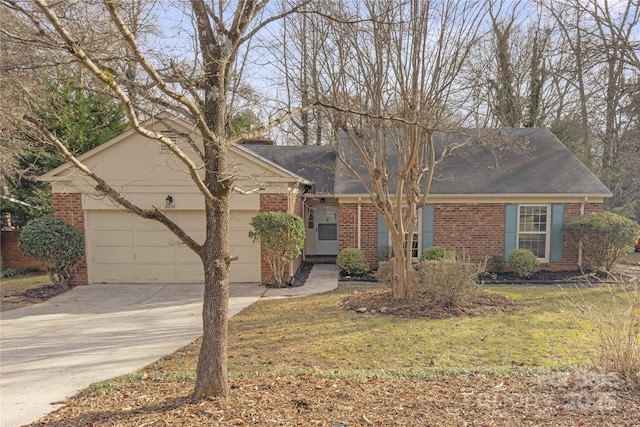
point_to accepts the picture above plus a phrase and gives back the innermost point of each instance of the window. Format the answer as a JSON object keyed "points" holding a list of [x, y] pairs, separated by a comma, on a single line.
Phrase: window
{"points": [[415, 243], [533, 226], [310, 220]]}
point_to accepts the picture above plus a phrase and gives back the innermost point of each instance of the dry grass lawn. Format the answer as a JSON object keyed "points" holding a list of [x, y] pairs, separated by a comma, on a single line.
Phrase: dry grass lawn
{"points": [[310, 361]]}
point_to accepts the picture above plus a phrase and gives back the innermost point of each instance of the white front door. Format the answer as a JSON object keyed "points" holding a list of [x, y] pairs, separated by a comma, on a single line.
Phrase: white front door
{"points": [[326, 229]]}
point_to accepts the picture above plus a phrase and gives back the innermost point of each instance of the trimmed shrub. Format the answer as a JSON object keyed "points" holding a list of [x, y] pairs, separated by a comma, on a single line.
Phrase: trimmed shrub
{"points": [[281, 236], [496, 262], [55, 243], [436, 252], [523, 262], [13, 272], [606, 238], [352, 262], [447, 282]]}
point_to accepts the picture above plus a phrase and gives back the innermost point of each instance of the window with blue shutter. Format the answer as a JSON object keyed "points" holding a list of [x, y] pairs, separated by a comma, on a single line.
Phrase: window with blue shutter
{"points": [[427, 226], [557, 220], [383, 239], [510, 229]]}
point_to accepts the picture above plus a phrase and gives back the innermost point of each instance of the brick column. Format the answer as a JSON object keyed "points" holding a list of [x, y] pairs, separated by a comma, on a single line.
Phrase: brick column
{"points": [[348, 223], [278, 203], [68, 207]]}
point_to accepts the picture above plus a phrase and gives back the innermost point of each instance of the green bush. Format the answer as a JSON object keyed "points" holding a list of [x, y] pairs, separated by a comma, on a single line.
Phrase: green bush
{"points": [[55, 243], [447, 282], [497, 264], [281, 235], [523, 262], [606, 238], [436, 252], [352, 262], [13, 272]]}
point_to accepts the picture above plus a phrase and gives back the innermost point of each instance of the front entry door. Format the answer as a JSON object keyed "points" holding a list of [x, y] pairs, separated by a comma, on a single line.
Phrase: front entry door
{"points": [[327, 229]]}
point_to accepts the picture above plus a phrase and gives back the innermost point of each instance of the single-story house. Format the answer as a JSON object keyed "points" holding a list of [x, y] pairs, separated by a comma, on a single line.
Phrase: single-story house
{"points": [[483, 202]]}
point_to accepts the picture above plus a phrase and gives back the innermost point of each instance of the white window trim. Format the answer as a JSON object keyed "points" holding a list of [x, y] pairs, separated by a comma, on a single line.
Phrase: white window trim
{"points": [[418, 231], [547, 242]]}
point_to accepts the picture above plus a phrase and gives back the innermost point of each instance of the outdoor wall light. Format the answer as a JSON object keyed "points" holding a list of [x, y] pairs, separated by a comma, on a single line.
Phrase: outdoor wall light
{"points": [[322, 200], [169, 201]]}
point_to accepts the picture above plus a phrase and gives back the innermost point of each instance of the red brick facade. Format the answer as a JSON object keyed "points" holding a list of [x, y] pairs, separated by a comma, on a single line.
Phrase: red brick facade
{"points": [[291, 203], [473, 229], [12, 256], [476, 230], [348, 234], [68, 207]]}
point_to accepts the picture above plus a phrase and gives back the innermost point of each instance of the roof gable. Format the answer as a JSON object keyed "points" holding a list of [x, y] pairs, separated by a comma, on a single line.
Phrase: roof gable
{"points": [[131, 157]]}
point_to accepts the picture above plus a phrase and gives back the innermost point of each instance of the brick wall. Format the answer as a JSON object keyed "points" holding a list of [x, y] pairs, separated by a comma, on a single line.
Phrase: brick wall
{"points": [[12, 256], [477, 230], [291, 203], [348, 232], [68, 207], [473, 229]]}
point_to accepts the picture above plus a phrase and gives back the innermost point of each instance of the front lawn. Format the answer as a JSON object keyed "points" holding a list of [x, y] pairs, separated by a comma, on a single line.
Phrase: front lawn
{"points": [[307, 361]]}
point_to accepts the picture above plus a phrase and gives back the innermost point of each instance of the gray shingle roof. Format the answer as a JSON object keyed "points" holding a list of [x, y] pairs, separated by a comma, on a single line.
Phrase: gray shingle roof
{"points": [[501, 162], [312, 162]]}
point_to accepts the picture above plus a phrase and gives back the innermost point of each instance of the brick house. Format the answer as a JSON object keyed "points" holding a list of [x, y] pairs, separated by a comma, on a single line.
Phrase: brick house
{"points": [[477, 204]]}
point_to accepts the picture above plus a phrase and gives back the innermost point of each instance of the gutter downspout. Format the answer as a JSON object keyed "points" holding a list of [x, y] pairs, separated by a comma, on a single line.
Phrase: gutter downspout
{"points": [[582, 208], [359, 222]]}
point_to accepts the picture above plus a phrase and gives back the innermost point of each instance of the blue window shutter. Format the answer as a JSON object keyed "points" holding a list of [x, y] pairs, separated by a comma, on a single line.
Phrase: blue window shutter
{"points": [[383, 232], [510, 229], [427, 226], [557, 219]]}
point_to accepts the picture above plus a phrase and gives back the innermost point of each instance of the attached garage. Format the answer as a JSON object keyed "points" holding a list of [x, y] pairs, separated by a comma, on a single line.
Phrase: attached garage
{"points": [[126, 248]]}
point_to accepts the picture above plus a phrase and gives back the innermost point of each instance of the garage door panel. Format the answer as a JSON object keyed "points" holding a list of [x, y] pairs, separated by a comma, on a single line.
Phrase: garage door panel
{"points": [[114, 255], [147, 224], [110, 220], [114, 273], [156, 273], [194, 273], [186, 255], [156, 238], [126, 248], [122, 238]]}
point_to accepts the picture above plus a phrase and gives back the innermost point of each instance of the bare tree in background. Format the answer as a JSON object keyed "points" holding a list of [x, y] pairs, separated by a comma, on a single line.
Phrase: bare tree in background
{"points": [[148, 75], [394, 73]]}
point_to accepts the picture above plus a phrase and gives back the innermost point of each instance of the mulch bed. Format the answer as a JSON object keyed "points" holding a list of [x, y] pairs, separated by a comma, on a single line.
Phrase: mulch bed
{"points": [[45, 292], [555, 400], [381, 301]]}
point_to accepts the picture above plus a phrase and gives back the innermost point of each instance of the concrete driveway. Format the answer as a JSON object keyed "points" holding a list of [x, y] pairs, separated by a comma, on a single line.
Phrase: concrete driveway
{"points": [[50, 351]]}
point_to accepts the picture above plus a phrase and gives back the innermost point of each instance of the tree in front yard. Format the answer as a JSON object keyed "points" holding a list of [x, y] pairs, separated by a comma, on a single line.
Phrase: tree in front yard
{"points": [[393, 82], [191, 69], [281, 237], [55, 243]]}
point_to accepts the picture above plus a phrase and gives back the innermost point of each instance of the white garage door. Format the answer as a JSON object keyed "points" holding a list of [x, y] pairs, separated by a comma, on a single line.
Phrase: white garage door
{"points": [[126, 248]]}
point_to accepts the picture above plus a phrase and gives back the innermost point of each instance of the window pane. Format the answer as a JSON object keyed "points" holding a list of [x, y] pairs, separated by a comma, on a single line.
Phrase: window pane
{"points": [[533, 219], [327, 231], [536, 243], [414, 245]]}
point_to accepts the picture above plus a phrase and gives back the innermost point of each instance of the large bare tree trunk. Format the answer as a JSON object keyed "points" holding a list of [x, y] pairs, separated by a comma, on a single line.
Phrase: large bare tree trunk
{"points": [[212, 361]]}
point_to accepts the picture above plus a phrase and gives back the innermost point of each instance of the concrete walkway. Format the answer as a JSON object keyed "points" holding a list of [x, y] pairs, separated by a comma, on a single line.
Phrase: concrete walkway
{"points": [[50, 351]]}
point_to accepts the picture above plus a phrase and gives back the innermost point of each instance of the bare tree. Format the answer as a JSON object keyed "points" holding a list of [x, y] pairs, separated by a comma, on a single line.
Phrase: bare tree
{"points": [[152, 74], [394, 73]]}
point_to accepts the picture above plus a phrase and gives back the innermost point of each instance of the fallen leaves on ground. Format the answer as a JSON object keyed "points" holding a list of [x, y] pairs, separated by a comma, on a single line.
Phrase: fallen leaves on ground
{"points": [[555, 400]]}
